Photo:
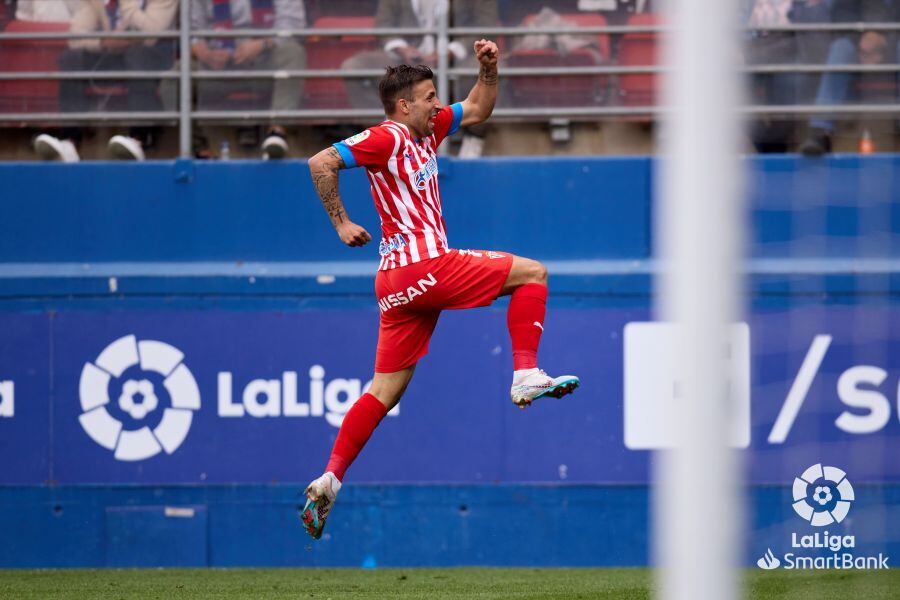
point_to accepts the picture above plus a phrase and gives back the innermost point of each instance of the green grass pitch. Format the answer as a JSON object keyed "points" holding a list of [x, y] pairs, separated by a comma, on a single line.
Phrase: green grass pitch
{"points": [[477, 583]]}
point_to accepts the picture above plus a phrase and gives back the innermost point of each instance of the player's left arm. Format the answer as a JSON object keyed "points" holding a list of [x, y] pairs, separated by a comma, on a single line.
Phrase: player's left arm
{"points": [[479, 104]]}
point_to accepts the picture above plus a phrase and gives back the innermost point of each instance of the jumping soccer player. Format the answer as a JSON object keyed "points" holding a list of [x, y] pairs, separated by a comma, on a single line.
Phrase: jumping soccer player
{"points": [[419, 274]]}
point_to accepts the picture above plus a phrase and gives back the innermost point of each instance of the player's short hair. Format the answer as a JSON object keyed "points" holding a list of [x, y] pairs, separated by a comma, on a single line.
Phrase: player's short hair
{"points": [[398, 83]]}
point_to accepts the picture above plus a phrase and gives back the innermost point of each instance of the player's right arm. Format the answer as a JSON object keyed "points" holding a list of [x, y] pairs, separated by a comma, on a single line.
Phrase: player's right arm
{"points": [[324, 168]]}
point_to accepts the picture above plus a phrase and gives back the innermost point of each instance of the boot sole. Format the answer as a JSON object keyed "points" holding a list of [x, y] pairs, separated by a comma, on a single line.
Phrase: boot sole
{"points": [[557, 391], [308, 518]]}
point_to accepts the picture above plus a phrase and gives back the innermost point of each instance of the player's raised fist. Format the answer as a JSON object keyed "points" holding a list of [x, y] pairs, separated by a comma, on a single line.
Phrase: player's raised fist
{"points": [[487, 52], [352, 234]]}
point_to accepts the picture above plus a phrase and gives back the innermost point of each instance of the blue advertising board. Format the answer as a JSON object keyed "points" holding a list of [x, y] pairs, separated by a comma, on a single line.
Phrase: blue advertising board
{"points": [[215, 332], [217, 396]]}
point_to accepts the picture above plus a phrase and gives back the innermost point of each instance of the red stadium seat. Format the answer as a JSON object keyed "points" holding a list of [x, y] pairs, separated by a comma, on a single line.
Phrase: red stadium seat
{"points": [[639, 49], [328, 53], [561, 90], [30, 55]]}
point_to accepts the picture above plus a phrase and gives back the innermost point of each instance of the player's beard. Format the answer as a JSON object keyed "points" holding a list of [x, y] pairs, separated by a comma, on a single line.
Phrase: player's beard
{"points": [[429, 124]]}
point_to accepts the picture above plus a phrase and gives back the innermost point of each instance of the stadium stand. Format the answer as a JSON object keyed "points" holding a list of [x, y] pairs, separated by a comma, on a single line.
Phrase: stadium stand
{"points": [[582, 90], [635, 50], [30, 55], [328, 53], [617, 97]]}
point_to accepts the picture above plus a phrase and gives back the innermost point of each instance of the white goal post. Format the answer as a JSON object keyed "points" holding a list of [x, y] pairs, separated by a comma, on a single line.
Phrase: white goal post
{"points": [[697, 514]]}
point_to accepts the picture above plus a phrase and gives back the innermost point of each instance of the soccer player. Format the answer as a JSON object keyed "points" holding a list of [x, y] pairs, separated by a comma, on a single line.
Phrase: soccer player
{"points": [[420, 274]]}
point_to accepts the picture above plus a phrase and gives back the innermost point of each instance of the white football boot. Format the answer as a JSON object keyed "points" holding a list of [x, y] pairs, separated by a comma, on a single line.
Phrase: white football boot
{"points": [[536, 384], [320, 496]]}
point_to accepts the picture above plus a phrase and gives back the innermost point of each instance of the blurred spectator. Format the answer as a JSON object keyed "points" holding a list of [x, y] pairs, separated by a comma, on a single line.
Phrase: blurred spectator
{"points": [[410, 50], [316, 9], [564, 43], [110, 54], [763, 47], [421, 49], [46, 11], [616, 12], [471, 13], [266, 53], [867, 48]]}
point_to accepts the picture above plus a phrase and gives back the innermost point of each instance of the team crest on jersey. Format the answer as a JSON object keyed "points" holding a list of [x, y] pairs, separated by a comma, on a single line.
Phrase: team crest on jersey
{"points": [[424, 174], [355, 139]]}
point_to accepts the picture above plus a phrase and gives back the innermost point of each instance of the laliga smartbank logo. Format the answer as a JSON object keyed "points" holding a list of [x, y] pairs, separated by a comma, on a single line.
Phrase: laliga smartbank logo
{"points": [[822, 496], [120, 398], [138, 398]]}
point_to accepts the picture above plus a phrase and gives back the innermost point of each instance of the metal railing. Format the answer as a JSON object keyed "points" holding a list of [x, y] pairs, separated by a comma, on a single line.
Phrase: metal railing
{"points": [[185, 115]]}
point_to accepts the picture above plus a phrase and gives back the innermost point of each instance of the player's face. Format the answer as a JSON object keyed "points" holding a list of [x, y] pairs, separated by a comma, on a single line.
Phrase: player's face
{"points": [[424, 108]]}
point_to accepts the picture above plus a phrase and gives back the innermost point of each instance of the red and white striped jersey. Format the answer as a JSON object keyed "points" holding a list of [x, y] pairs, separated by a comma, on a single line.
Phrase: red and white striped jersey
{"points": [[402, 172]]}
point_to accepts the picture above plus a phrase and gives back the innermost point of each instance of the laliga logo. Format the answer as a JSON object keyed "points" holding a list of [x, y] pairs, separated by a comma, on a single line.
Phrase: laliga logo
{"points": [[143, 376], [822, 496]]}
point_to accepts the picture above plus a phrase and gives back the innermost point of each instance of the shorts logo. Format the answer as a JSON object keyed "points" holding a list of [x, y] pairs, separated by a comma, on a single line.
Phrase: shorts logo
{"points": [[405, 297], [142, 376], [359, 137], [424, 174], [395, 242]]}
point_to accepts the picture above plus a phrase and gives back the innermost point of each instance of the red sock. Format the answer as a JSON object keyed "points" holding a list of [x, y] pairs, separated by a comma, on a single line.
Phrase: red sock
{"points": [[525, 319], [359, 423]]}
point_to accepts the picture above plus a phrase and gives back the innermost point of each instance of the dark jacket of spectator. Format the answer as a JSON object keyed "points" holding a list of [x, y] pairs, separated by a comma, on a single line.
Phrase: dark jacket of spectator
{"points": [[865, 11]]}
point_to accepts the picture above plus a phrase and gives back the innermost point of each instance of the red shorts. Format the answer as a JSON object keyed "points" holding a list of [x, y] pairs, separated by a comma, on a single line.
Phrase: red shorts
{"points": [[411, 299]]}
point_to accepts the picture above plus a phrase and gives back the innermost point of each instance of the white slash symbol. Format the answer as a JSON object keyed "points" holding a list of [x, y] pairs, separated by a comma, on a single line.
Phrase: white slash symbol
{"points": [[538, 325], [799, 389]]}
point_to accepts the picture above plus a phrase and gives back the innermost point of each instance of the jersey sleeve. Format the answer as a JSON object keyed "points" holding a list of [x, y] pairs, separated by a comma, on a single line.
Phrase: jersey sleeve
{"points": [[447, 122], [369, 148]]}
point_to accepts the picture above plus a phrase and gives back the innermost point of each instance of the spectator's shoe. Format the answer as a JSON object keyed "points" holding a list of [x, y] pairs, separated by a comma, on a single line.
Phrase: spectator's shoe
{"points": [[275, 145], [51, 148], [538, 384], [817, 143], [123, 147], [471, 147], [320, 496]]}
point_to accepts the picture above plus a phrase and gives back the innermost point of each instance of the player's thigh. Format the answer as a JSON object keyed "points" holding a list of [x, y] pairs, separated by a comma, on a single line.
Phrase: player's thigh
{"points": [[389, 387], [523, 271], [470, 278], [403, 338]]}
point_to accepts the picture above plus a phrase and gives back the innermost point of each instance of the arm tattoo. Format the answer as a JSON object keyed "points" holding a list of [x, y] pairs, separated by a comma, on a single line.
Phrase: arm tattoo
{"points": [[325, 179], [488, 75]]}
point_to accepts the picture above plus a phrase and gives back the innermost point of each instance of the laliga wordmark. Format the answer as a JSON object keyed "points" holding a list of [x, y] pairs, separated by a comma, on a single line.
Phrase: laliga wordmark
{"points": [[279, 397]]}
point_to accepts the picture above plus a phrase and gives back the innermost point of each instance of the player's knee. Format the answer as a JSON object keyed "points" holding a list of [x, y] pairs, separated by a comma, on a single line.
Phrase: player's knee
{"points": [[388, 393], [538, 273]]}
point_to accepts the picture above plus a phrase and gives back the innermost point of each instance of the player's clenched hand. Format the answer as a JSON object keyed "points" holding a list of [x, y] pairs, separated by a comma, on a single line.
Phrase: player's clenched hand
{"points": [[487, 52], [352, 234]]}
